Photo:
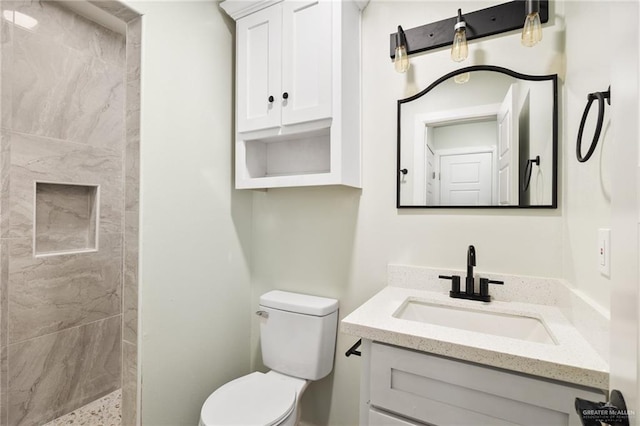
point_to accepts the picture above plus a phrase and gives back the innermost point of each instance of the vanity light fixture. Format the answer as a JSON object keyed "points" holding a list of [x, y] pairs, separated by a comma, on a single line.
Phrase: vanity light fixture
{"points": [[401, 60], [459, 48], [532, 28], [480, 23]]}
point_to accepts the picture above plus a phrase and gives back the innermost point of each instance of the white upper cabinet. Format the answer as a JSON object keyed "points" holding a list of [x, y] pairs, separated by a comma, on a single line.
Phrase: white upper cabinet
{"points": [[297, 92], [306, 61], [259, 48]]}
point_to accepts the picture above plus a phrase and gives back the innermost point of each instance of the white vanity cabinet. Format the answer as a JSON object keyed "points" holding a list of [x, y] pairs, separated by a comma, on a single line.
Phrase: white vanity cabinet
{"points": [[407, 387], [297, 92]]}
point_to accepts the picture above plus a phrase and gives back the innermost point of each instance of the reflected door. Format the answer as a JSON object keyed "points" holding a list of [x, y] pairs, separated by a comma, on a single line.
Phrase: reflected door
{"points": [[466, 179], [431, 187], [508, 149]]}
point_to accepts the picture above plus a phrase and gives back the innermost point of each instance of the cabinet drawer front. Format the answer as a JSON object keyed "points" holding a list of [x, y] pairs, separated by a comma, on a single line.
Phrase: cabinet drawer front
{"points": [[379, 418], [443, 391]]}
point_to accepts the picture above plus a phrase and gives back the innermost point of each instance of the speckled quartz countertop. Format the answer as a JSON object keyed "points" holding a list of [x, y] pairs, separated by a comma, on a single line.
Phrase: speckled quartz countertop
{"points": [[571, 359]]}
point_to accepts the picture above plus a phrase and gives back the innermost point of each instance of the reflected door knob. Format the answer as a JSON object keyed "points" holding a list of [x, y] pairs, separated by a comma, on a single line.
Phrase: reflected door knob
{"points": [[285, 95], [270, 99]]}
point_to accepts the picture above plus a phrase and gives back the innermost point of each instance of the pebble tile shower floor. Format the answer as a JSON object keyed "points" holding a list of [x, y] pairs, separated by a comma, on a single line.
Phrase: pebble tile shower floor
{"points": [[105, 411]]}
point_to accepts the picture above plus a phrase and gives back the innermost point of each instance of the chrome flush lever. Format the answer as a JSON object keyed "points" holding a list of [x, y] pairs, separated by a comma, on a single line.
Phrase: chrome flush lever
{"points": [[263, 314]]}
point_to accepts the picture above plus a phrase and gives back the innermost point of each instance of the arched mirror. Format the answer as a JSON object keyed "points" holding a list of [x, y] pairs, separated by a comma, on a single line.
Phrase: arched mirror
{"points": [[482, 136]]}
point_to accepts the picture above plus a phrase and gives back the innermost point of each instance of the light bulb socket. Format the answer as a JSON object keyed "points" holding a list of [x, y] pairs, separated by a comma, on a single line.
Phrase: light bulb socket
{"points": [[460, 23], [401, 39], [532, 6]]}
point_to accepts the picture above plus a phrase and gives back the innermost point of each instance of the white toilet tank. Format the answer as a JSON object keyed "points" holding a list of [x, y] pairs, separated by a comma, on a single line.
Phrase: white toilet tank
{"points": [[298, 333]]}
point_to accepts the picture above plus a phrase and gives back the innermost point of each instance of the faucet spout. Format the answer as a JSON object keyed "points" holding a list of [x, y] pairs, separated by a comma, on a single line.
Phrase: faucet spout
{"points": [[471, 262]]}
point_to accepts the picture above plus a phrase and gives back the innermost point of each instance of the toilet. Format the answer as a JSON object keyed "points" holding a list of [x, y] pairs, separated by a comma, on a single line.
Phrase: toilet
{"points": [[298, 338]]}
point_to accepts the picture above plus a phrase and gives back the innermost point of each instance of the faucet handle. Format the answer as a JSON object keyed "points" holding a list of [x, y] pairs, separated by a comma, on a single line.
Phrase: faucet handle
{"points": [[484, 285], [455, 282]]}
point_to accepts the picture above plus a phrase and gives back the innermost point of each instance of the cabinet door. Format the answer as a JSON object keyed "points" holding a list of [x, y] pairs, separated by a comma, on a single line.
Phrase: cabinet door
{"points": [[259, 44], [306, 69]]}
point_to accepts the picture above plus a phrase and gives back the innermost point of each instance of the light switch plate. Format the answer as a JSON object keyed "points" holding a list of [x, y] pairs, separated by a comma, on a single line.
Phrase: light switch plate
{"points": [[604, 251]]}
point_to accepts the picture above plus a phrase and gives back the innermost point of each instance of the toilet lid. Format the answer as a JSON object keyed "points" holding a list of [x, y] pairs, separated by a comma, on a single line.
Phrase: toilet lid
{"points": [[254, 399]]}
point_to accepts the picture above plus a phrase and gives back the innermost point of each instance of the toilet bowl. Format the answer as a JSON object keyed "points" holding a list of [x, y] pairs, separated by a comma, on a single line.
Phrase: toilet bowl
{"points": [[297, 339], [255, 399]]}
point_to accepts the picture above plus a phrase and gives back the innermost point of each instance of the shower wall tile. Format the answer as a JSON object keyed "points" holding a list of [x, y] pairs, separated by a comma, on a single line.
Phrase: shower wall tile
{"points": [[130, 285], [129, 383], [4, 387], [74, 31], [132, 182], [70, 113], [4, 268], [61, 94], [52, 293], [6, 61], [65, 218], [36, 158], [4, 292], [117, 9], [5, 176], [54, 374]]}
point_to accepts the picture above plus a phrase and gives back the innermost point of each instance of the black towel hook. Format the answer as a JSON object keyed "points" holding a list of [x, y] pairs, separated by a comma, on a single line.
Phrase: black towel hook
{"points": [[600, 96], [527, 172]]}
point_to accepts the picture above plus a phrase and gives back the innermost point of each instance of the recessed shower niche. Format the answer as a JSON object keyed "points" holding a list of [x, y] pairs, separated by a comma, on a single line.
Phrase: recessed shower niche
{"points": [[66, 218]]}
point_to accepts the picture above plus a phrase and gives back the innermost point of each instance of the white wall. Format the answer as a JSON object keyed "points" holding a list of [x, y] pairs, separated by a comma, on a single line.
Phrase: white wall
{"points": [[338, 241], [198, 235], [586, 194], [195, 230]]}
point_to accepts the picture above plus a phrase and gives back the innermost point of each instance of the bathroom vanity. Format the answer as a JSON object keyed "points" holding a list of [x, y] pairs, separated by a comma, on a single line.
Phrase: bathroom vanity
{"points": [[431, 359]]}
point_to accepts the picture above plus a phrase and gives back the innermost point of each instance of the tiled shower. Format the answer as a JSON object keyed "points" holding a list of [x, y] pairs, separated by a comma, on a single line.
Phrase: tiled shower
{"points": [[69, 163]]}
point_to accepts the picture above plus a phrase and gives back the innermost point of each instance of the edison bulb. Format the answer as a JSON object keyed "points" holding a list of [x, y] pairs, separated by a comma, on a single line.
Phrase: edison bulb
{"points": [[459, 49], [401, 60], [532, 30], [462, 78]]}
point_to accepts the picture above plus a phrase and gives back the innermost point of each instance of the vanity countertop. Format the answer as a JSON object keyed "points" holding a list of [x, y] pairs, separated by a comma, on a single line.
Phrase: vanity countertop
{"points": [[571, 360]]}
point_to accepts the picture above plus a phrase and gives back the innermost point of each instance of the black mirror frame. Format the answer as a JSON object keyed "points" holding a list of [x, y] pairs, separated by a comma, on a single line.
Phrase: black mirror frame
{"points": [[551, 77]]}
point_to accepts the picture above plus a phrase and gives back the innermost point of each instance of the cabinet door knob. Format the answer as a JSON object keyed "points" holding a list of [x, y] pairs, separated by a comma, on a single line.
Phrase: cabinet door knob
{"points": [[270, 99], [285, 95]]}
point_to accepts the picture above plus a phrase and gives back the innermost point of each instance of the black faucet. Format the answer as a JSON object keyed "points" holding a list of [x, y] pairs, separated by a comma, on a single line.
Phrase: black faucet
{"points": [[469, 291], [471, 262]]}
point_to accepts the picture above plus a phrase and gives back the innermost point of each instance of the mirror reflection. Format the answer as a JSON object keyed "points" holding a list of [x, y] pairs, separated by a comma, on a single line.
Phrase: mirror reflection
{"points": [[480, 137]]}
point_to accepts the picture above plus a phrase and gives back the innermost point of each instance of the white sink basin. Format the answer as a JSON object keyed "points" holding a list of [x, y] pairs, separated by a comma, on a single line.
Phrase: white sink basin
{"points": [[499, 324]]}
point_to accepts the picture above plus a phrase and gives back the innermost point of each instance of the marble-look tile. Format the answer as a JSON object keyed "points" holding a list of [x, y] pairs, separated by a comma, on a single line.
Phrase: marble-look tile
{"points": [[6, 61], [65, 217], [132, 150], [130, 288], [40, 159], [57, 373], [129, 383], [4, 291], [116, 9], [134, 49], [5, 176], [4, 399], [60, 93], [66, 28], [132, 174], [52, 293], [106, 411]]}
